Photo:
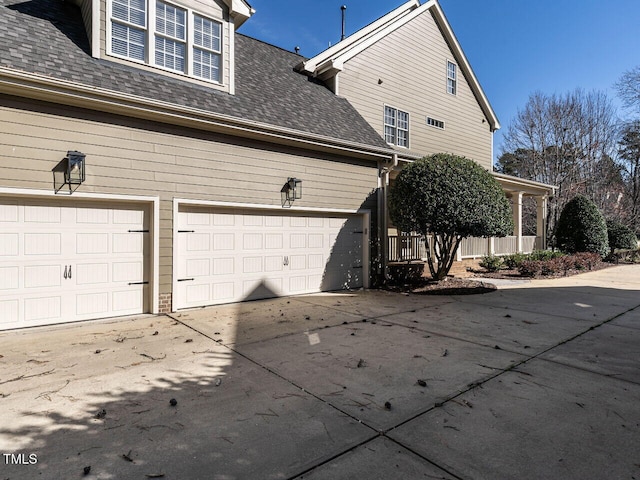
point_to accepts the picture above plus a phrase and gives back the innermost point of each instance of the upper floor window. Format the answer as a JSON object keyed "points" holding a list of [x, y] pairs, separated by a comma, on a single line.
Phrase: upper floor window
{"points": [[166, 36], [452, 78], [396, 127]]}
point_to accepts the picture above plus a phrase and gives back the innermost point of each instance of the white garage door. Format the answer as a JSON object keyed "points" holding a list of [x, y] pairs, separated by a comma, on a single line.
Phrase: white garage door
{"points": [[68, 261], [230, 256]]}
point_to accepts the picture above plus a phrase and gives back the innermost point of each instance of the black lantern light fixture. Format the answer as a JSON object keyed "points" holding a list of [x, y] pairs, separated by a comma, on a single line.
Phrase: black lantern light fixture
{"points": [[291, 191], [69, 172]]}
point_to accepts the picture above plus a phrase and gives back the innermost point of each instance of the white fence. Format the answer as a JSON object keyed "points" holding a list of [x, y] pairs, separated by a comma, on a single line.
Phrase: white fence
{"points": [[474, 247], [406, 248]]}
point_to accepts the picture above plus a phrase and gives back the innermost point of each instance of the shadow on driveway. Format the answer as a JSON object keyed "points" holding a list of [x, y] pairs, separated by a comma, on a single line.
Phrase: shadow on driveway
{"points": [[532, 382]]}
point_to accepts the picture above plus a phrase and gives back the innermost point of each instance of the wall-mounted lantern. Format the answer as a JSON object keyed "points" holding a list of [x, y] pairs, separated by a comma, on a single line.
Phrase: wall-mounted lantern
{"points": [[69, 172], [291, 191]]}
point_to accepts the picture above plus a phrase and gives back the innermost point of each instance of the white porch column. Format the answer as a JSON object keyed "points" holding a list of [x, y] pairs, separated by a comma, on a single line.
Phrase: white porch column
{"points": [[541, 221], [516, 204]]}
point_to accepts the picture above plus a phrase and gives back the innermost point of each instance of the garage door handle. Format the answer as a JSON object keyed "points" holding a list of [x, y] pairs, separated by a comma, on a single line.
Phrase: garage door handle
{"points": [[69, 271], [65, 273], [186, 279], [186, 231], [138, 231], [357, 266], [138, 283]]}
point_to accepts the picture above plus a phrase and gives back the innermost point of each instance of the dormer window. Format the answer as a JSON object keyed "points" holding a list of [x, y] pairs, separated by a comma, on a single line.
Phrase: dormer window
{"points": [[164, 35]]}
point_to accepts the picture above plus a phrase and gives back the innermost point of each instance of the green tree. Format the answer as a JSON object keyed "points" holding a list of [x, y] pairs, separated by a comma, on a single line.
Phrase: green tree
{"points": [[629, 158], [581, 228], [620, 236], [450, 198]]}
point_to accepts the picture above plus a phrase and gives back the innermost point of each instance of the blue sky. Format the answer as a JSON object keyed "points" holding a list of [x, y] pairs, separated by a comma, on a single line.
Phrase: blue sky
{"points": [[514, 46]]}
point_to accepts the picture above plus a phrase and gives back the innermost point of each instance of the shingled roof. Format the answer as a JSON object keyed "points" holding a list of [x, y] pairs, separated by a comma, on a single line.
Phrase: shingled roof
{"points": [[47, 37]]}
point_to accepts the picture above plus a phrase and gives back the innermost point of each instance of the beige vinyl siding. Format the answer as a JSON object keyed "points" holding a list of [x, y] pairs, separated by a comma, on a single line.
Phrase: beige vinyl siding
{"points": [[85, 9], [131, 157], [411, 62], [215, 10]]}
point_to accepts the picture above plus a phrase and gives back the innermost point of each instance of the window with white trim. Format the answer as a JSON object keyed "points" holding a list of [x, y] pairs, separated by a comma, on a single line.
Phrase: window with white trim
{"points": [[435, 123], [396, 127], [207, 50], [452, 78], [161, 34]]}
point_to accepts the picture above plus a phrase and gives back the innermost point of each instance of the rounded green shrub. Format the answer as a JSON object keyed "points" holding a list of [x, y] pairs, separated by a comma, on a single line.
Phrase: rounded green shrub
{"points": [[620, 236], [491, 263], [582, 228]]}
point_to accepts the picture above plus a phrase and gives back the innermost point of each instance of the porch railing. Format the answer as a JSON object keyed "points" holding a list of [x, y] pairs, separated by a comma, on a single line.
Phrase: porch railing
{"points": [[474, 247], [406, 248]]}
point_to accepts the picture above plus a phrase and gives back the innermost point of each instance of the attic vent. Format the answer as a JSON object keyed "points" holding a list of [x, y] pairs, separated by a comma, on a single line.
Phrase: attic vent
{"points": [[435, 123]]}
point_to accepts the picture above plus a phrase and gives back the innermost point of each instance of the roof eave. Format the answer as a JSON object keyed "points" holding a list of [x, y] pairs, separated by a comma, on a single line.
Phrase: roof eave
{"points": [[240, 10], [311, 65], [40, 87]]}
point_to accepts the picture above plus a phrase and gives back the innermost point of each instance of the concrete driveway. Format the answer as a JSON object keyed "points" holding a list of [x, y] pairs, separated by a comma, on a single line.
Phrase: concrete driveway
{"points": [[539, 380]]}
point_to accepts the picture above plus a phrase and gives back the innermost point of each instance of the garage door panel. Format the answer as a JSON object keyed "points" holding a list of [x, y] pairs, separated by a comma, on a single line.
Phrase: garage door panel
{"points": [[273, 241], [273, 264], [259, 255], [223, 266], [252, 241], [92, 215], [127, 272], [9, 278], [199, 242], [129, 300], [92, 273], [197, 294], [224, 241], [42, 276], [42, 214], [9, 243], [42, 244], [252, 265], [43, 308], [92, 304], [128, 242], [298, 262], [9, 311], [92, 243], [224, 291], [9, 212]]}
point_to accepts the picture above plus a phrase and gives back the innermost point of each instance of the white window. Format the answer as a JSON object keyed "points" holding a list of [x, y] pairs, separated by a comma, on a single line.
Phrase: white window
{"points": [[128, 28], [170, 37], [396, 127], [206, 48], [435, 123], [452, 75], [164, 35]]}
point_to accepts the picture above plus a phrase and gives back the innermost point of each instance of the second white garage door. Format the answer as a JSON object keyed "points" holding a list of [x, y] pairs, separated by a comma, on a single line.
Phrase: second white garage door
{"points": [[229, 256]]}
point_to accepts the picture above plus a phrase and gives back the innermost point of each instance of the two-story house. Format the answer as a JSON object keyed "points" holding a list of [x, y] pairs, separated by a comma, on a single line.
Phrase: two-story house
{"points": [[408, 76], [153, 159]]}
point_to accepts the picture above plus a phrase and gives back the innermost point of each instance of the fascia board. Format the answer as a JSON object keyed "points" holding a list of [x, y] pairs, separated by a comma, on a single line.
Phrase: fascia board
{"points": [[45, 88], [365, 43], [517, 183], [312, 64], [442, 21], [240, 10]]}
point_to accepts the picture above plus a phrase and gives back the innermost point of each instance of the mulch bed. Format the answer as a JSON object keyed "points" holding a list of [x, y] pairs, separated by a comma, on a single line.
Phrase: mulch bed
{"points": [[474, 284]]}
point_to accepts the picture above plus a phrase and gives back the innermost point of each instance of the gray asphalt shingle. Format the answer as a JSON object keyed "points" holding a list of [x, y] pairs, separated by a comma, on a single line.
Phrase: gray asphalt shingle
{"points": [[47, 37]]}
